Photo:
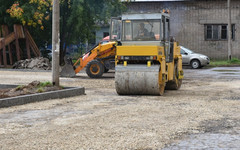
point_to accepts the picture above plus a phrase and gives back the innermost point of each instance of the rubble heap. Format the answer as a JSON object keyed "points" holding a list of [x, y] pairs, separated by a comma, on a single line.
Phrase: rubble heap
{"points": [[38, 63]]}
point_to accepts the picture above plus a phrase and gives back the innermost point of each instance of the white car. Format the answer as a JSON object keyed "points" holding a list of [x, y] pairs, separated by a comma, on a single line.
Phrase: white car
{"points": [[195, 60]]}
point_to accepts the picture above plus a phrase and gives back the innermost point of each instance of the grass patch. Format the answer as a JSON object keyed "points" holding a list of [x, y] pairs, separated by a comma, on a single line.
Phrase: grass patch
{"points": [[19, 87], [44, 84], [219, 63], [40, 90]]}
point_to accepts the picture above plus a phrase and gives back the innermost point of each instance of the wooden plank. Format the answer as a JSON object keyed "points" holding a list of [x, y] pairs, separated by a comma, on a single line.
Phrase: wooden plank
{"points": [[18, 29], [10, 54], [5, 34], [17, 49], [17, 44], [28, 48], [9, 38], [27, 44], [32, 44], [31, 41], [0, 31], [32, 48], [1, 53], [1, 45], [4, 54]]}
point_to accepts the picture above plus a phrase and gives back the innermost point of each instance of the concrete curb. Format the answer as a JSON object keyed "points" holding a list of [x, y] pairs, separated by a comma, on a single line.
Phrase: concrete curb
{"points": [[20, 100], [6, 86]]}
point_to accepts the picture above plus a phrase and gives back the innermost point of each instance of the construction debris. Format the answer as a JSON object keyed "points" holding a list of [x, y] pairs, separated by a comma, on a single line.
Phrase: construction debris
{"points": [[38, 63]]}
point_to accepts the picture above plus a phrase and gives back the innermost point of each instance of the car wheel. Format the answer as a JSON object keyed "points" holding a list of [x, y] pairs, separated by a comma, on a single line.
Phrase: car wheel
{"points": [[195, 64]]}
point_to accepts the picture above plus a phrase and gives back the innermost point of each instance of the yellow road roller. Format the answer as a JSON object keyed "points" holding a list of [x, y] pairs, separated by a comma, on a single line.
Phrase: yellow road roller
{"points": [[147, 59]]}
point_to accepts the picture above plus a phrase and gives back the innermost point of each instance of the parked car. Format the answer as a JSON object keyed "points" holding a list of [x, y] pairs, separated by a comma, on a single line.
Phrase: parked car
{"points": [[195, 60]]}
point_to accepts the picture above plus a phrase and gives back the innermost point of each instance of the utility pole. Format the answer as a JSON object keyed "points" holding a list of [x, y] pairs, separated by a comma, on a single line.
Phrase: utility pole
{"points": [[55, 43], [229, 30]]}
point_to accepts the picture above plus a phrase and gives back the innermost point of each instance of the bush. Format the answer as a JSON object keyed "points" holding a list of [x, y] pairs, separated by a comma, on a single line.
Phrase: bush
{"points": [[234, 61]]}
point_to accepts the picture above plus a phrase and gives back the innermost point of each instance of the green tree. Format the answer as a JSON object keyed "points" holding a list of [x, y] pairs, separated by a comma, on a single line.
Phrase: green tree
{"points": [[4, 16], [31, 12], [79, 18]]}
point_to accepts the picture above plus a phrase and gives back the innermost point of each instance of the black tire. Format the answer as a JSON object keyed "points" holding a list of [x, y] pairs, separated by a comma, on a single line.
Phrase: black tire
{"points": [[105, 70], [195, 64], [95, 69], [176, 83]]}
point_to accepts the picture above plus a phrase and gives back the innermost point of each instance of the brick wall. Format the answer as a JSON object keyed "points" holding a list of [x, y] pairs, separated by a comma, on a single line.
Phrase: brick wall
{"points": [[188, 19]]}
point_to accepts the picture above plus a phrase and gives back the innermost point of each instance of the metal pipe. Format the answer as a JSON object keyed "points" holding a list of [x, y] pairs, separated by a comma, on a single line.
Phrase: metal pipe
{"points": [[229, 31]]}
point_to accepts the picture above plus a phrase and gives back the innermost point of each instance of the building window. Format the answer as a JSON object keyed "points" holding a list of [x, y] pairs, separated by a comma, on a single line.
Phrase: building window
{"points": [[224, 32], [218, 32]]}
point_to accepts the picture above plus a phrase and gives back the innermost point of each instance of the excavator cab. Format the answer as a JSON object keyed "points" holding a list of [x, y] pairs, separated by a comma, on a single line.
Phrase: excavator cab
{"points": [[146, 62]]}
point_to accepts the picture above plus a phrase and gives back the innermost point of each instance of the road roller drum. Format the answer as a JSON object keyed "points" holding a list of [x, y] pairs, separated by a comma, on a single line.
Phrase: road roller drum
{"points": [[137, 79]]}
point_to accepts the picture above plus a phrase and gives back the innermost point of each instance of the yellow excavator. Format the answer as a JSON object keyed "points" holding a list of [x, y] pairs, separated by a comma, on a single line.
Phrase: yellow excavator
{"points": [[147, 59], [96, 61]]}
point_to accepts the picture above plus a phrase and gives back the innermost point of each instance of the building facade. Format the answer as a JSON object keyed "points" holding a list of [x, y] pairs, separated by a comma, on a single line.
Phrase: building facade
{"points": [[101, 33], [200, 25]]}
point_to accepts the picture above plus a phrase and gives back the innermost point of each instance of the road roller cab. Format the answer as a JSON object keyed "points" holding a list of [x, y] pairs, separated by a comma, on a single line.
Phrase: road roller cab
{"points": [[147, 61]]}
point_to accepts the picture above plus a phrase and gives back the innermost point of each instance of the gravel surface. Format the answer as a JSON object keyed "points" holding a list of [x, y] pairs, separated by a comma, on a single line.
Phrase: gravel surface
{"points": [[208, 102]]}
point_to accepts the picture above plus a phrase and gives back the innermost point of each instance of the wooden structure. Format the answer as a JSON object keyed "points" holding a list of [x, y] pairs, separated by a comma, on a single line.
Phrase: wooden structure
{"points": [[10, 42]]}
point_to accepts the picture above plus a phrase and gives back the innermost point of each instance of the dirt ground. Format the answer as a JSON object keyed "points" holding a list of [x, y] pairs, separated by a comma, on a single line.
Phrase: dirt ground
{"points": [[208, 101]]}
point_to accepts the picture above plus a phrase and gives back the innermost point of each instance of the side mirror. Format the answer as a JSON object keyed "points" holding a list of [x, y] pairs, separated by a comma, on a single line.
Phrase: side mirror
{"points": [[185, 53]]}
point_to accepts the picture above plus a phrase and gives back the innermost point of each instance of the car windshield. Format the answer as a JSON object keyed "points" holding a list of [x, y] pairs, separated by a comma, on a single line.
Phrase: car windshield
{"points": [[187, 50]]}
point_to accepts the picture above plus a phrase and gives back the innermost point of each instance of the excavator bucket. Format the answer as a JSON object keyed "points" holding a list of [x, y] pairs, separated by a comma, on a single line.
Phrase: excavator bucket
{"points": [[67, 70]]}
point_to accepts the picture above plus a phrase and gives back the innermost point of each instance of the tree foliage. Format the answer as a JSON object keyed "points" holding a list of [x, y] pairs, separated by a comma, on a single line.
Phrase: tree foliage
{"points": [[31, 12], [4, 16], [78, 20]]}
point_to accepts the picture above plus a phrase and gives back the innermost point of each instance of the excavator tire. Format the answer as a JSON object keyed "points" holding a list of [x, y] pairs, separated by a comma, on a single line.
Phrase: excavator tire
{"points": [[176, 83], [95, 69], [105, 70]]}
